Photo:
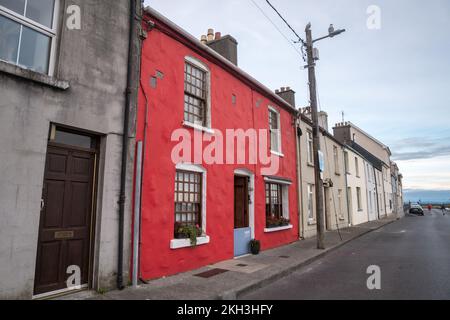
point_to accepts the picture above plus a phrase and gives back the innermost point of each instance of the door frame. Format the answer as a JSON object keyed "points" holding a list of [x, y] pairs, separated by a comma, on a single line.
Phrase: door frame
{"points": [[95, 179], [251, 191]]}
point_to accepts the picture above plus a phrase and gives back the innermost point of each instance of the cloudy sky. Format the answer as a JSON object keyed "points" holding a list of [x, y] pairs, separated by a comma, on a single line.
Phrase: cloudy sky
{"points": [[394, 82]]}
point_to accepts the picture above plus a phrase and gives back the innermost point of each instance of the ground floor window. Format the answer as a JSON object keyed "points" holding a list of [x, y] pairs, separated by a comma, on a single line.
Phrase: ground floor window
{"points": [[188, 202], [276, 205]]}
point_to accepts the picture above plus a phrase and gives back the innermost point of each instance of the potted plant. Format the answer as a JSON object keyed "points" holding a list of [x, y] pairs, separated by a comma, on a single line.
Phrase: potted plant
{"points": [[188, 231], [255, 246]]}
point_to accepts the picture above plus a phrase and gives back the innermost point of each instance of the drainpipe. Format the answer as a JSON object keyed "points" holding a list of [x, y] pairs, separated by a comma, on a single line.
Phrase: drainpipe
{"points": [[123, 172]]}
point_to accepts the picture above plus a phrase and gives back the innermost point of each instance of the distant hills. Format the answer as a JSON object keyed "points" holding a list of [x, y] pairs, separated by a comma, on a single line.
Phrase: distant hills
{"points": [[426, 196]]}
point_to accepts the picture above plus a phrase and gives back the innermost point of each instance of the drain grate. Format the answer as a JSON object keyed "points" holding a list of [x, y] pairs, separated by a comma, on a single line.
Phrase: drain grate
{"points": [[242, 265], [210, 273], [285, 257]]}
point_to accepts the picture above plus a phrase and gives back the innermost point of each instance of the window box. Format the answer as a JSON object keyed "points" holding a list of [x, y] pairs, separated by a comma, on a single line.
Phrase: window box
{"points": [[186, 243], [268, 230]]}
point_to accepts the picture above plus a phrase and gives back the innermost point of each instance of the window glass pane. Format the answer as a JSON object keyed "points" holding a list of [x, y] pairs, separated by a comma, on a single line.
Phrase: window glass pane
{"points": [[41, 11], [73, 139], [34, 50], [9, 39], [17, 6]]}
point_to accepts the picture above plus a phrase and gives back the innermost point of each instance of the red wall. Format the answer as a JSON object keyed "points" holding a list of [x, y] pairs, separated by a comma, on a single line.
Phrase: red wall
{"points": [[165, 114]]}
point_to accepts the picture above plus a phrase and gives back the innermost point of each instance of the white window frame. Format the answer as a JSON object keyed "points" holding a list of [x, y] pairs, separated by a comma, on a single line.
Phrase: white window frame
{"points": [[310, 203], [204, 239], [309, 147], [337, 169], [198, 126], [357, 167], [50, 32], [278, 152], [285, 202], [359, 198]]}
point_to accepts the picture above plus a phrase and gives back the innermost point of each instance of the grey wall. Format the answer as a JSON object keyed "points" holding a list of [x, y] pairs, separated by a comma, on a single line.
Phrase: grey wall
{"points": [[94, 61]]}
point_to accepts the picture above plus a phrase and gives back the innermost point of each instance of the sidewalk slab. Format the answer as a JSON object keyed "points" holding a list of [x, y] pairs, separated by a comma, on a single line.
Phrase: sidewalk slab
{"points": [[243, 274]]}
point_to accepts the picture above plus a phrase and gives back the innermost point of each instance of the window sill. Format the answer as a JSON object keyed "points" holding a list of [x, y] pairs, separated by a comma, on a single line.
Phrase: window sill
{"points": [[311, 223], [268, 230], [34, 76], [309, 164], [198, 127], [185, 243], [276, 153]]}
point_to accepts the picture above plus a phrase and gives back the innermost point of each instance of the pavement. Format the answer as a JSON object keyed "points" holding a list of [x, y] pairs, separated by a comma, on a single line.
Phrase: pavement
{"points": [[241, 276], [413, 255]]}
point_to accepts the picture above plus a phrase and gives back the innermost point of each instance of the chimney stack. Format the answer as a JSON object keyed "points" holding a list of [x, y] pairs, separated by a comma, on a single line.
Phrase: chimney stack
{"points": [[323, 120], [226, 46], [287, 94]]}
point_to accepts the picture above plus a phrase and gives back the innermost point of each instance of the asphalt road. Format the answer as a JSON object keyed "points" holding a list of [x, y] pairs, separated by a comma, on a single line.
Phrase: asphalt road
{"points": [[413, 255]]}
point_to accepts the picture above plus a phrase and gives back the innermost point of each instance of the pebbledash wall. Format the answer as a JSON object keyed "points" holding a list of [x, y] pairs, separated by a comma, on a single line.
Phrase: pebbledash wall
{"points": [[236, 101]]}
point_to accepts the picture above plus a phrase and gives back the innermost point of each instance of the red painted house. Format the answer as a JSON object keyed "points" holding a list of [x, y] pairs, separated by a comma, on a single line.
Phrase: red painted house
{"points": [[219, 154]]}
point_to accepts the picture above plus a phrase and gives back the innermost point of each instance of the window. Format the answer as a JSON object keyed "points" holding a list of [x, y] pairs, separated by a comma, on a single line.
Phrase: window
{"points": [[28, 33], [196, 93], [274, 204], [336, 160], [340, 203], [347, 166], [188, 198], [310, 202], [357, 166], [274, 128], [309, 138], [358, 198]]}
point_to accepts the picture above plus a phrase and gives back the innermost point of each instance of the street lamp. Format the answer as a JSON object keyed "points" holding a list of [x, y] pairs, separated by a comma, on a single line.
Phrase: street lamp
{"points": [[316, 141]]}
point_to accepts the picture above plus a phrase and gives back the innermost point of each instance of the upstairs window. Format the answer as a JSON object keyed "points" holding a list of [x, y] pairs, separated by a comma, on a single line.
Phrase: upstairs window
{"points": [[195, 94], [274, 128], [28, 33], [336, 160], [357, 167], [309, 144]]}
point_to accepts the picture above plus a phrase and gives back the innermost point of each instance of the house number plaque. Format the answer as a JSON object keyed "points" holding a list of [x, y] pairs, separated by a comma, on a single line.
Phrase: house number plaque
{"points": [[59, 235]]}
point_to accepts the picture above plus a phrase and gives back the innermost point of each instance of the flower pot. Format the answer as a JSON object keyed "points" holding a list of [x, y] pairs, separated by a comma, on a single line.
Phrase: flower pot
{"points": [[255, 246]]}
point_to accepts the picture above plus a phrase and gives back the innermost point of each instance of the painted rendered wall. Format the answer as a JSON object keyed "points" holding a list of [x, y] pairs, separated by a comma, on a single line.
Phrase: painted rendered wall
{"points": [[93, 60], [165, 114], [338, 217], [355, 181], [308, 226]]}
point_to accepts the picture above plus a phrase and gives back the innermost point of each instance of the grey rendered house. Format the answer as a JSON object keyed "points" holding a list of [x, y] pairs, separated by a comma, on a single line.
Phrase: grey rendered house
{"points": [[335, 194], [63, 96]]}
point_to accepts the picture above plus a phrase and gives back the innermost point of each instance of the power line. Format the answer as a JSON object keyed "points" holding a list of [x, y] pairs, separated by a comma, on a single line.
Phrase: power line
{"points": [[278, 29], [285, 21]]}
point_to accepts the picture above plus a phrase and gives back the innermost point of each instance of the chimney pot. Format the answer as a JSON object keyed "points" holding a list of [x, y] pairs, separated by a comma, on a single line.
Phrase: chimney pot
{"points": [[203, 39], [217, 36], [210, 34]]}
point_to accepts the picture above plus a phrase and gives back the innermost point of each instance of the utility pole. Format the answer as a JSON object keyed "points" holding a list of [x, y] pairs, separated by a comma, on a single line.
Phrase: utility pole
{"points": [[316, 130], [316, 139]]}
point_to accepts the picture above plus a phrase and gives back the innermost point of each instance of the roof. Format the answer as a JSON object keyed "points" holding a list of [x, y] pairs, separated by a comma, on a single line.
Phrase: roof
{"points": [[351, 124], [189, 40], [377, 163]]}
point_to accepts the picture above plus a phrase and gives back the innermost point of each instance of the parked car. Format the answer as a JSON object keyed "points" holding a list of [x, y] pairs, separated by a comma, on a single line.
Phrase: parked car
{"points": [[416, 209]]}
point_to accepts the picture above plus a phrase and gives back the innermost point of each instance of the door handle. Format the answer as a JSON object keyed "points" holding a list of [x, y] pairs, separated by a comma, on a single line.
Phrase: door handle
{"points": [[42, 204]]}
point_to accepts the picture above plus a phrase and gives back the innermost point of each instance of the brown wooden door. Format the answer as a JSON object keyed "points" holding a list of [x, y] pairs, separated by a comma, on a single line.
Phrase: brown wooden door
{"points": [[240, 202], [65, 222]]}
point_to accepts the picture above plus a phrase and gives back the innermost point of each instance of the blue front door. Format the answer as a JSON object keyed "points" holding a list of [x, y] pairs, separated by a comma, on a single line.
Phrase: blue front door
{"points": [[242, 231]]}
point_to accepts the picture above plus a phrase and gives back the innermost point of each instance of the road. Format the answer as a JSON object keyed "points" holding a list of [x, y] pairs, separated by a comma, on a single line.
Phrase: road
{"points": [[413, 254]]}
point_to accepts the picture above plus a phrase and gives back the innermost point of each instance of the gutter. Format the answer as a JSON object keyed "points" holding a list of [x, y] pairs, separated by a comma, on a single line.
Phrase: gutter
{"points": [[123, 172]]}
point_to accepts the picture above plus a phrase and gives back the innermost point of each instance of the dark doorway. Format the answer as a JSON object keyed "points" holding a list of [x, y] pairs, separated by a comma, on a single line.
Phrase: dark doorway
{"points": [[65, 229], [240, 202]]}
